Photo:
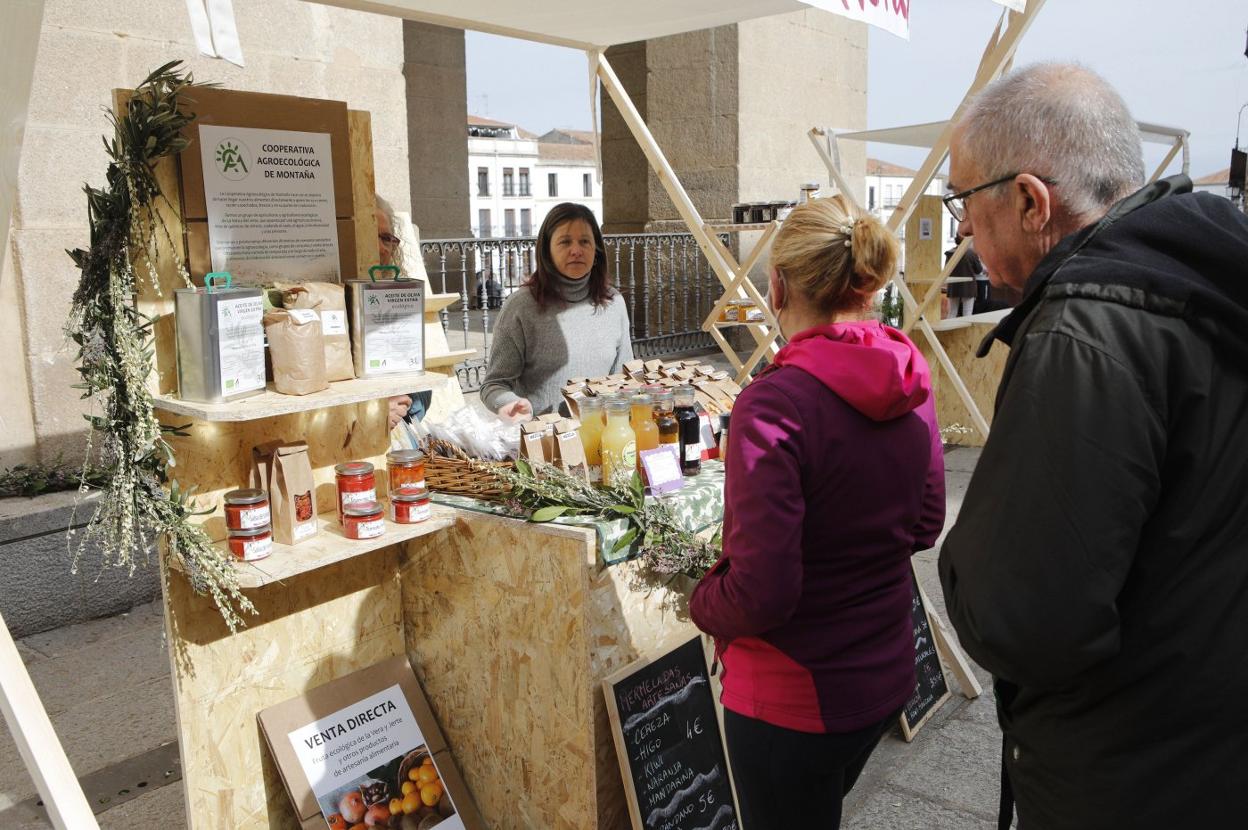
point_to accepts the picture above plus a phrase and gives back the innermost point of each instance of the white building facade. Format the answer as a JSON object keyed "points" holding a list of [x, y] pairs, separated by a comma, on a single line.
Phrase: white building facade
{"points": [[515, 178], [887, 183]]}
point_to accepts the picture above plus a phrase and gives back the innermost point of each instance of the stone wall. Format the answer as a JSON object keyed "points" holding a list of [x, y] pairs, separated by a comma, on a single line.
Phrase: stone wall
{"points": [[86, 49]]}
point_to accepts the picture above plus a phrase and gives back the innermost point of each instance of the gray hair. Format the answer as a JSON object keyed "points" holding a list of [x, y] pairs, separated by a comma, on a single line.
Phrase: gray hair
{"points": [[1061, 122]]}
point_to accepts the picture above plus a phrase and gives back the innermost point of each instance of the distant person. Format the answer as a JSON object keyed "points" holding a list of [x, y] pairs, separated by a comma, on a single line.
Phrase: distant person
{"points": [[966, 295], [1099, 564], [835, 478], [566, 321]]}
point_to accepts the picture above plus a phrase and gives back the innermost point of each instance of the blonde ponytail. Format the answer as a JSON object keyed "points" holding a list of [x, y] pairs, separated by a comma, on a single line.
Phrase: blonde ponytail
{"points": [[834, 256]]}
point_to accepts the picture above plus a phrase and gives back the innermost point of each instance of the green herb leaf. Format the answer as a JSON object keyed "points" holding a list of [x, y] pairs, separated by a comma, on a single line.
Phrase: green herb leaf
{"points": [[545, 514]]}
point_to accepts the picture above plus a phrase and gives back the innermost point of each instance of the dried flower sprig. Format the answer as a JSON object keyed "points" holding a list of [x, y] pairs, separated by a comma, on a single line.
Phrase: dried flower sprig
{"points": [[665, 549], [115, 352]]}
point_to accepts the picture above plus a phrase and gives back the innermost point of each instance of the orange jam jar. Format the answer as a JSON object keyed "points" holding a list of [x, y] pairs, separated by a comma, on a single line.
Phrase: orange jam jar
{"points": [[246, 509], [409, 505], [356, 484], [406, 468], [251, 544], [363, 520]]}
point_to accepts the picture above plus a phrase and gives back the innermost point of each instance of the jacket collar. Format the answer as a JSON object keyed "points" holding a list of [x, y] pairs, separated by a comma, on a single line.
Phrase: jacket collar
{"points": [[1068, 249]]}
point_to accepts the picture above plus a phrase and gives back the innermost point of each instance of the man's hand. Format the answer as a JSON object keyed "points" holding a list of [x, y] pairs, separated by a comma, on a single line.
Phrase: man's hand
{"points": [[399, 405], [518, 410]]}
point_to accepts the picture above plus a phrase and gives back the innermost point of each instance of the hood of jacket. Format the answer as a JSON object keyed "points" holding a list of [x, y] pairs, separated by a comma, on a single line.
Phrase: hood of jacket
{"points": [[1163, 249], [872, 367]]}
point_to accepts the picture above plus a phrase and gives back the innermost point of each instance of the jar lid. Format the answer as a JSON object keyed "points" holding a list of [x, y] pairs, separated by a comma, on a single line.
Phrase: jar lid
{"points": [[409, 494], [362, 509], [641, 399], [250, 532], [354, 468], [810, 186], [684, 394], [245, 496], [619, 405], [405, 456], [590, 403]]}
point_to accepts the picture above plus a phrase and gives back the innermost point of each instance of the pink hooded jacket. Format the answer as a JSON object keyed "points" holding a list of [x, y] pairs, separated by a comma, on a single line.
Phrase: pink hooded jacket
{"points": [[835, 477]]}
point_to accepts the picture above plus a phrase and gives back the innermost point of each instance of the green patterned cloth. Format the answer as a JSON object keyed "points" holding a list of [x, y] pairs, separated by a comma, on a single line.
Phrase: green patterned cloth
{"points": [[698, 506]]}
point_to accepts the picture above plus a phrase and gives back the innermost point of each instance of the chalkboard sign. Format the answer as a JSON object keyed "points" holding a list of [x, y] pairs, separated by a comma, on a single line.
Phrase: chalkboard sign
{"points": [[932, 689], [668, 741]]}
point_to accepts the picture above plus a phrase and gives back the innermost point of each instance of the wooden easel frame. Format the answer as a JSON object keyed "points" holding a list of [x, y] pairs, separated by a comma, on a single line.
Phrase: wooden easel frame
{"points": [[742, 288]]}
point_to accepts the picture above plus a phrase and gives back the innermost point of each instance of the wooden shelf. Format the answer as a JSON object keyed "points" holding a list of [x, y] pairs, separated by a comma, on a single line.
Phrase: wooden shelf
{"points": [[329, 547], [729, 226], [271, 404], [986, 318], [450, 358]]}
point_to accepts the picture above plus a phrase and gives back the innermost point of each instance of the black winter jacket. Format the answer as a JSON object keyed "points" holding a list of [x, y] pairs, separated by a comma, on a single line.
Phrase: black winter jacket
{"points": [[1099, 565]]}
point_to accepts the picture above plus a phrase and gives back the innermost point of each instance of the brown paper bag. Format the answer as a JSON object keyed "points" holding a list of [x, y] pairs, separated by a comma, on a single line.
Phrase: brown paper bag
{"points": [[298, 351], [292, 494], [330, 304], [262, 465], [531, 444], [570, 450]]}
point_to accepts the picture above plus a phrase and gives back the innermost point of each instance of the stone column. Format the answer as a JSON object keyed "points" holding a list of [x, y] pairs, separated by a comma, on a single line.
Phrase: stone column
{"points": [[437, 129]]}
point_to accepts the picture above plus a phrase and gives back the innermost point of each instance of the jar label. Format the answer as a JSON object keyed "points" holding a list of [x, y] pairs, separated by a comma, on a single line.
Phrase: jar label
{"points": [[595, 474], [333, 322], [371, 529], [629, 456], [252, 517], [349, 499], [254, 549], [693, 452], [240, 344], [304, 530]]}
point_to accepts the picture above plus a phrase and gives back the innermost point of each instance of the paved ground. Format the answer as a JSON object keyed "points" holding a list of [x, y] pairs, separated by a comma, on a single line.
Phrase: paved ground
{"points": [[106, 687]]}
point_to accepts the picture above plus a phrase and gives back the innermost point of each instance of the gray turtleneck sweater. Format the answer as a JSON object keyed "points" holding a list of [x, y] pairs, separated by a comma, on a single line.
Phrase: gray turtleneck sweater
{"points": [[533, 352]]}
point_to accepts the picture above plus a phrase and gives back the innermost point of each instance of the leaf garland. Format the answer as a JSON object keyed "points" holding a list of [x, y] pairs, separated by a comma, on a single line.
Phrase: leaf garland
{"points": [[115, 352]]}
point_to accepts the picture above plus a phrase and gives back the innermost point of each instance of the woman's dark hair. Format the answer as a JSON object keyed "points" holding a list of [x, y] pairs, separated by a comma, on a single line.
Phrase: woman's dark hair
{"points": [[542, 282]]}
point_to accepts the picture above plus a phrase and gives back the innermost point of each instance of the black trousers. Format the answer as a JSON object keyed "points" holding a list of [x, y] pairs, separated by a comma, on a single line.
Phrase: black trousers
{"points": [[787, 779]]}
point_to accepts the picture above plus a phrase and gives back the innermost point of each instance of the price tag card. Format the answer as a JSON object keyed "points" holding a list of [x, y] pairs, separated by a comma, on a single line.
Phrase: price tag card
{"points": [[662, 469]]}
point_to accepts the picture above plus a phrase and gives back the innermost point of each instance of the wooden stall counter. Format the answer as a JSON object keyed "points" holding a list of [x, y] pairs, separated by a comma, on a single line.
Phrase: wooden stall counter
{"points": [[960, 337]]}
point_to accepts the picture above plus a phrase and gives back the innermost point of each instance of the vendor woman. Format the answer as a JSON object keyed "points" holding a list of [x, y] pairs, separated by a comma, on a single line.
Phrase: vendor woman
{"points": [[566, 321]]}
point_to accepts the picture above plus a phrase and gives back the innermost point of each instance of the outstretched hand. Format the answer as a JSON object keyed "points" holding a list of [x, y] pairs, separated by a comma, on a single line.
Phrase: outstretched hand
{"points": [[518, 410]]}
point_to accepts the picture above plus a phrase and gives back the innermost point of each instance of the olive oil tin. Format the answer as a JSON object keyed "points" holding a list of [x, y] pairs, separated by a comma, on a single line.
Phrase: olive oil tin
{"points": [[387, 324], [220, 341]]}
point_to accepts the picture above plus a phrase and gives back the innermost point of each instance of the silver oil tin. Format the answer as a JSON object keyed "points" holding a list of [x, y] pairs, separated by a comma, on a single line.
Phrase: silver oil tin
{"points": [[220, 341], [387, 324]]}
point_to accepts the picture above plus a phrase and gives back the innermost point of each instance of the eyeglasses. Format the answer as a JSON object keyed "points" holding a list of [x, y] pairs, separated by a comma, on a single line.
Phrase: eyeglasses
{"points": [[956, 202], [388, 239]]}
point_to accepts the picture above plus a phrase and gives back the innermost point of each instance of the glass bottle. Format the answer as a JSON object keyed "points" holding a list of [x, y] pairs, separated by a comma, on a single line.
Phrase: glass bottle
{"points": [[593, 421], [619, 444], [690, 432], [665, 418], [643, 423]]}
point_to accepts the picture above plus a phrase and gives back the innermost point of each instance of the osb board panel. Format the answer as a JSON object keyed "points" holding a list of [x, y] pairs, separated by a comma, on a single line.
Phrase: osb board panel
{"points": [[216, 455], [363, 194], [495, 618], [981, 376], [924, 256], [310, 629], [627, 621]]}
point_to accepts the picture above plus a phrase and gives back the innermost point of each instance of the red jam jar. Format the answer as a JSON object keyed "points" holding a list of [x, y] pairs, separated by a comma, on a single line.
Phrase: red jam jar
{"points": [[406, 468], [356, 484], [409, 505], [363, 520], [246, 509], [251, 544]]}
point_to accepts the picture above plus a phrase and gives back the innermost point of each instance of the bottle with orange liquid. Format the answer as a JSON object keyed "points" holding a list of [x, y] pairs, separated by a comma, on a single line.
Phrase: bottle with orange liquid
{"points": [[619, 444], [593, 422]]}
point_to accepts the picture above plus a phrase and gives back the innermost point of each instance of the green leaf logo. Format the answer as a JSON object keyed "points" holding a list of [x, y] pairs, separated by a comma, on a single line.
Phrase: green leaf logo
{"points": [[231, 158]]}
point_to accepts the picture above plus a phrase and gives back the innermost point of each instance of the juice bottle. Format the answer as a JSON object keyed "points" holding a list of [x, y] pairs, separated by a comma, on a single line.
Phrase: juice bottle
{"points": [[593, 421], [665, 418], [690, 432], [619, 444], [643, 423]]}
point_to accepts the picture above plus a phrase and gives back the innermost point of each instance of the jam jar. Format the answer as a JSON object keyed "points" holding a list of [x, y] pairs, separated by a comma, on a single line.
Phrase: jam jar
{"points": [[252, 543], [363, 520], [406, 468], [409, 505], [356, 483], [246, 509]]}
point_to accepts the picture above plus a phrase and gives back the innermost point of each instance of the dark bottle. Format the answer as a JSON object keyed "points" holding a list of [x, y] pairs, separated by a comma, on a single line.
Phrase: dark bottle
{"points": [[665, 417], [690, 432]]}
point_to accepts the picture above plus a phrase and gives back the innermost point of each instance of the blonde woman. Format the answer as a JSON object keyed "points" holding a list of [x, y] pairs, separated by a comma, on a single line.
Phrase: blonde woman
{"points": [[835, 478]]}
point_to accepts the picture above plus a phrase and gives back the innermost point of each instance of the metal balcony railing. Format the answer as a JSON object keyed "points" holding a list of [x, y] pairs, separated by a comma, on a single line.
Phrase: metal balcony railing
{"points": [[666, 281]]}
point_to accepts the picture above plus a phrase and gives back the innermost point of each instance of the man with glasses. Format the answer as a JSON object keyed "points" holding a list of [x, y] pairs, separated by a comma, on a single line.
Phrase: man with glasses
{"points": [[1099, 564]]}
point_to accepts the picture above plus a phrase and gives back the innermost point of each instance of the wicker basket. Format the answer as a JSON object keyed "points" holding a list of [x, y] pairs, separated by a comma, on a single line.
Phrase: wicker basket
{"points": [[449, 470]]}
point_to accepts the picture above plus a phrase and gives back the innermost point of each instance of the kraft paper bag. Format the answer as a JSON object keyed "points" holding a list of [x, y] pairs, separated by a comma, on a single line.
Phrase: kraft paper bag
{"points": [[298, 351], [329, 301], [292, 494]]}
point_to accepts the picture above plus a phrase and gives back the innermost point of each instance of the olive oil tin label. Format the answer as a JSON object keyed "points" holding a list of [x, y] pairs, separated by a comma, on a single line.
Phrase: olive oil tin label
{"points": [[220, 334], [388, 326]]}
